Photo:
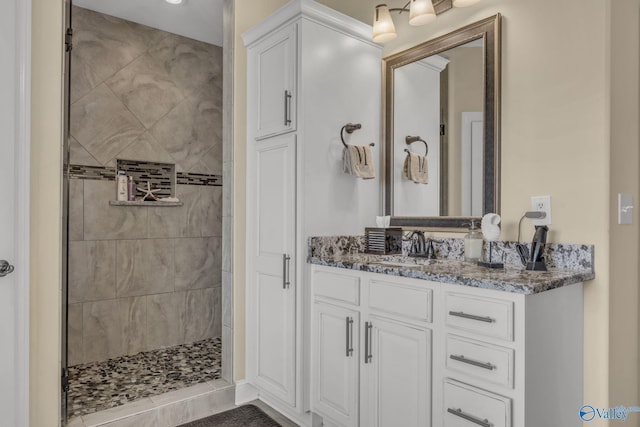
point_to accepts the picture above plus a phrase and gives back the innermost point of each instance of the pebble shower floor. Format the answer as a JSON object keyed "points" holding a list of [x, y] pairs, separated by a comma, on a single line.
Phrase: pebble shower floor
{"points": [[102, 385]]}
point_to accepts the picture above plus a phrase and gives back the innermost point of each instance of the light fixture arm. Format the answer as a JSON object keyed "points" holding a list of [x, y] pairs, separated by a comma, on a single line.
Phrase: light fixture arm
{"points": [[404, 8]]}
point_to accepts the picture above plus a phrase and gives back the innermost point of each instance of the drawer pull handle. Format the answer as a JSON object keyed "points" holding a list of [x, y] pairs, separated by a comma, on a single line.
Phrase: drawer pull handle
{"points": [[471, 316], [471, 418], [349, 336], [463, 359]]}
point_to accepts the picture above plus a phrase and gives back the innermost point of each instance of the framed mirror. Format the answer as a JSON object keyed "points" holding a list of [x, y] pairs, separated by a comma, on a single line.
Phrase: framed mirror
{"points": [[442, 129]]}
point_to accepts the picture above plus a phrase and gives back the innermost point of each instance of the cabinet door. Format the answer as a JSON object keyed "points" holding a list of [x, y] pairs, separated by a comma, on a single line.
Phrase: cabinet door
{"points": [[396, 375], [271, 83], [335, 372], [272, 240]]}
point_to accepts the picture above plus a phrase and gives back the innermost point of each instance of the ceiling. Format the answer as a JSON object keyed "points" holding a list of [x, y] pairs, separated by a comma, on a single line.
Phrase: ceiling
{"points": [[196, 19]]}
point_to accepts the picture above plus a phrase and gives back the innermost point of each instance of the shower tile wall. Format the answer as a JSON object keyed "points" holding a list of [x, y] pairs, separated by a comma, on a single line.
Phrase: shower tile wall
{"points": [[142, 278]]}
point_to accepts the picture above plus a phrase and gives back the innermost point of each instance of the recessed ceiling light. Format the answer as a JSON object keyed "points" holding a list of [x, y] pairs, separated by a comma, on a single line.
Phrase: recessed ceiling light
{"points": [[173, 1]]}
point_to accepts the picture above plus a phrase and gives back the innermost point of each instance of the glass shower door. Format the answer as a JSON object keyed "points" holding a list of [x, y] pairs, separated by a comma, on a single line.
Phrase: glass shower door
{"points": [[65, 207]]}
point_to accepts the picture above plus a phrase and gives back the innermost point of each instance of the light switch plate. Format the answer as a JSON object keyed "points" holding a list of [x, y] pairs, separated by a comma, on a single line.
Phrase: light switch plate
{"points": [[625, 209]]}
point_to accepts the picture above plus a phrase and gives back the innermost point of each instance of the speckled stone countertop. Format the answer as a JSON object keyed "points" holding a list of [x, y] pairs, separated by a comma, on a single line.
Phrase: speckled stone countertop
{"points": [[568, 264]]}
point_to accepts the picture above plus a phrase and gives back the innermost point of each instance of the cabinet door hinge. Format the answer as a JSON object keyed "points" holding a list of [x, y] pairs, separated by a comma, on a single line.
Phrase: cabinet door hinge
{"points": [[64, 380], [68, 40], [443, 131]]}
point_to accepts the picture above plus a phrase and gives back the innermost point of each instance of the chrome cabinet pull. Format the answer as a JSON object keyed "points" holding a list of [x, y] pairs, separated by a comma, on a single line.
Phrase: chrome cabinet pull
{"points": [[285, 271], [368, 328], [5, 268], [349, 336], [471, 418], [463, 359], [471, 316], [287, 108]]}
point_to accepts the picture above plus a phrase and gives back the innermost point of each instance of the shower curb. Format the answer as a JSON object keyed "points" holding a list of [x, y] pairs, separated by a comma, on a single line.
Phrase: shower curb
{"points": [[166, 410]]}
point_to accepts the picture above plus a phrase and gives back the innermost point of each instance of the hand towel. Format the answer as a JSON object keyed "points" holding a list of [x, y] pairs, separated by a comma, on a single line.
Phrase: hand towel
{"points": [[357, 160], [415, 168]]}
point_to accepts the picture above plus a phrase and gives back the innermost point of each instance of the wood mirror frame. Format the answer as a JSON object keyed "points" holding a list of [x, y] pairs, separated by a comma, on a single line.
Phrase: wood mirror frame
{"points": [[489, 31]]}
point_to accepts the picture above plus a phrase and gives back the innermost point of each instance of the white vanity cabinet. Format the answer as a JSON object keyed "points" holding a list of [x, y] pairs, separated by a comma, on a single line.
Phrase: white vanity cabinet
{"points": [[273, 302], [367, 353], [440, 354], [272, 79], [310, 71]]}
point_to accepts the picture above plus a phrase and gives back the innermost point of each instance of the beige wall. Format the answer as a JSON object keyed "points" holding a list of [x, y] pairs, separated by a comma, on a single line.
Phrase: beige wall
{"points": [[555, 141], [46, 152], [624, 163], [465, 94]]}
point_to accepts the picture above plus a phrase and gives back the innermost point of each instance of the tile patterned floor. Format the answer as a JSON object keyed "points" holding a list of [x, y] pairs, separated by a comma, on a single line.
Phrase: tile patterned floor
{"points": [[102, 385]]}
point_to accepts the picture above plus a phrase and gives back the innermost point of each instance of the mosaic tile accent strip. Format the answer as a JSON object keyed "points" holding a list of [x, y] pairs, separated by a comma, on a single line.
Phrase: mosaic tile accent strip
{"points": [[106, 173], [100, 173], [97, 386], [199, 179]]}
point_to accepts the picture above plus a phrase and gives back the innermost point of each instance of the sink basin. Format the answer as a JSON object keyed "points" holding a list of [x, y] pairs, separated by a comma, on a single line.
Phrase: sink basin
{"points": [[399, 264]]}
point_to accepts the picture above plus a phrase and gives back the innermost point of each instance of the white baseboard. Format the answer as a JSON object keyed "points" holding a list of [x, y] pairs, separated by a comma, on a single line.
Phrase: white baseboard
{"points": [[245, 392]]}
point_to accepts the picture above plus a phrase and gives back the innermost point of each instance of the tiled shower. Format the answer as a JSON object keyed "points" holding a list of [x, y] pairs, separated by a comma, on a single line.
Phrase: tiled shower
{"points": [[144, 281]]}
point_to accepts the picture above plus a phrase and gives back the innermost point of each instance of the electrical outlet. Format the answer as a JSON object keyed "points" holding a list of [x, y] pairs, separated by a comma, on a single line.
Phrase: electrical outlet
{"points": [[543, 204]]}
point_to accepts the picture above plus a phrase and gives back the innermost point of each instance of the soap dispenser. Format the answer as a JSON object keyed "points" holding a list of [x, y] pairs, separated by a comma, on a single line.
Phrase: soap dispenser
{"points": [[473, 243]]}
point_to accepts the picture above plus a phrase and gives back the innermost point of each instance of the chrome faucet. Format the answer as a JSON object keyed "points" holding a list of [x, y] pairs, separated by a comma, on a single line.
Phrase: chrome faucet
{"points": [[421, 246], [417, 243], [430, 252]]}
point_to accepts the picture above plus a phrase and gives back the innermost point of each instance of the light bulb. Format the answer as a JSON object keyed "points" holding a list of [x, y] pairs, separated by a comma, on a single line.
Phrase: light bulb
{"points": [[383, 28], [421, 12]]}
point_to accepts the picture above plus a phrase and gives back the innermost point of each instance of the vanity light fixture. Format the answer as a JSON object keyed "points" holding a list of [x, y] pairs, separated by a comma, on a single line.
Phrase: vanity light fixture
{"points": [[173, 1], [464, 3], [421, 12]]}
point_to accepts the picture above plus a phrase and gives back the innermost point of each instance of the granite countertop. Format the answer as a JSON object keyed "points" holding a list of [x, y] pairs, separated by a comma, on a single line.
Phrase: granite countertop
{"points": [[513, 278]]}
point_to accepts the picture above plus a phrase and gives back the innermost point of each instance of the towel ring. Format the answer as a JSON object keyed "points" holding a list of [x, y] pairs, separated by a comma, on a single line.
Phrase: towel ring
{"points": [[411, 139], [350, 128]]}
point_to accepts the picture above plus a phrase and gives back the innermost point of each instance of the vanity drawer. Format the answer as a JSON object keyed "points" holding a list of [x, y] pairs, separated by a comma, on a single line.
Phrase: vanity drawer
{"points": [[476, 358], [466, 406], [400, 300], [491, 317], [336, 286]]}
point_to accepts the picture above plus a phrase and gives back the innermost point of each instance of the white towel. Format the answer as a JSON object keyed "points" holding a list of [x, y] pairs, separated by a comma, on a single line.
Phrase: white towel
{"points": [[415, 168], [357, 160]]}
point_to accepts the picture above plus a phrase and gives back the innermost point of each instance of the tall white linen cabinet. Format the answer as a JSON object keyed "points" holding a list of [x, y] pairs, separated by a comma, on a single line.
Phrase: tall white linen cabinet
{"points": [[310, 71]]}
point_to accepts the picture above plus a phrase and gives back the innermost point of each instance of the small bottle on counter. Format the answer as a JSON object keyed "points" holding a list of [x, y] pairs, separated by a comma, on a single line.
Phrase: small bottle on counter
{"points": [[121, 186], [473, 243], [131, 189]]}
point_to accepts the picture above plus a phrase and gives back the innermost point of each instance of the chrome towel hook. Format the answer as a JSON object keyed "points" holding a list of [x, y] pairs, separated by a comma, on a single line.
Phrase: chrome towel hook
{"points": [[411, 139], [350, 128]]}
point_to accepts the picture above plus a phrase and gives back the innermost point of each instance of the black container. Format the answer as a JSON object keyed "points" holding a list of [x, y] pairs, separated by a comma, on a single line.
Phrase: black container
{"points": [[383, 241]]}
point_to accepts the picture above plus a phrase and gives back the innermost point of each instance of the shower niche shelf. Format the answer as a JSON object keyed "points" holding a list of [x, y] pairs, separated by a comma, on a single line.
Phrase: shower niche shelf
{"points": [[160, 176], [146, 203]]}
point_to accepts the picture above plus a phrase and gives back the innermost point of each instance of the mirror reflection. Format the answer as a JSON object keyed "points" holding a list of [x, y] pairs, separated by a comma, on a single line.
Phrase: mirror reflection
{"points": [[440, 100]]}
